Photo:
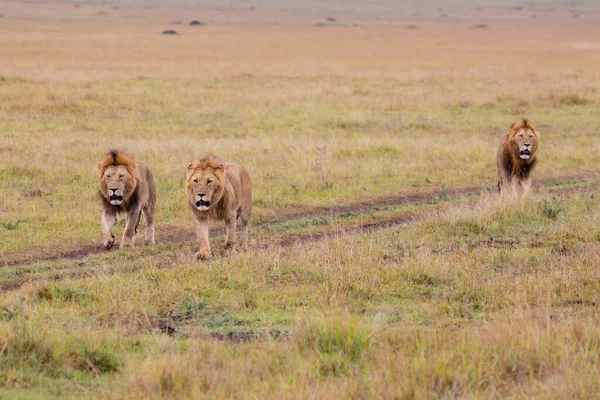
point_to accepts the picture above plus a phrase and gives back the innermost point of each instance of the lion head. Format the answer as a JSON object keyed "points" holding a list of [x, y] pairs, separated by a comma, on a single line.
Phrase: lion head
{"points": [[524, 138], [117, 177], [205, 181]]}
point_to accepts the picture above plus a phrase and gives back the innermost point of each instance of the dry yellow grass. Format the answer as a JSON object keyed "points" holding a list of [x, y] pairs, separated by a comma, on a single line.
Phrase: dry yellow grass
{"points": [[473, 300]]}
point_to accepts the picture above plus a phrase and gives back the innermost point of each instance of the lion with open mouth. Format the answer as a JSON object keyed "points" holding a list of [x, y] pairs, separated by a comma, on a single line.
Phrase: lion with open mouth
{"points": [[219, 191], [517, 157], [125, 186]]}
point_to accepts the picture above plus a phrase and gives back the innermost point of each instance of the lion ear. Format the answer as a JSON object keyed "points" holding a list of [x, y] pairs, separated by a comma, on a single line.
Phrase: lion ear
{"points": [[221, 167], [190, 166]]}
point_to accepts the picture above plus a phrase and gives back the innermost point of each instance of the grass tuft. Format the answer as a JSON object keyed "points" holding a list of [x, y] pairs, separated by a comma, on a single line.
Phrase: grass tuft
{"points": [[338, 341]]}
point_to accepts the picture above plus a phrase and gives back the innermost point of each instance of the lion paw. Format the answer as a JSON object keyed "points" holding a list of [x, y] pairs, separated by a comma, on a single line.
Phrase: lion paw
{"points": [[108, 244], [229, 246], [202, 256]]}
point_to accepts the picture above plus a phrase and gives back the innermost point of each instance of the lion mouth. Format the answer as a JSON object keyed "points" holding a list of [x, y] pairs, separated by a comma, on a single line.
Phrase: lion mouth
{"points": [[115, 199], [525, 154], [202, 205]]}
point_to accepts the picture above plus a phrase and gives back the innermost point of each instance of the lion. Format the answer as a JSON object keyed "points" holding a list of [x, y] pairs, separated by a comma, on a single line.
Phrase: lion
{"points": [[517, 157], [218, 191], [125, 186]]}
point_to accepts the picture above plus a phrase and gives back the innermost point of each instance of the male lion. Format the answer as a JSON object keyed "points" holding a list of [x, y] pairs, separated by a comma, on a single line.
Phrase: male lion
{"points": [[517, 157], [218, 191], [125, 186]]}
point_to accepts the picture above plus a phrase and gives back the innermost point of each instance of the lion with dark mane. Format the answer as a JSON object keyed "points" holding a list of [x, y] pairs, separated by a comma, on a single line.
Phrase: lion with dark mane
{"points": [[218, 191], [517, 157], [125, 186]]}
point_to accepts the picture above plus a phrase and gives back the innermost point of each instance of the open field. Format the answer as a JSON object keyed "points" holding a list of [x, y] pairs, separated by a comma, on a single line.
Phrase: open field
{"points": [[382, 263]]}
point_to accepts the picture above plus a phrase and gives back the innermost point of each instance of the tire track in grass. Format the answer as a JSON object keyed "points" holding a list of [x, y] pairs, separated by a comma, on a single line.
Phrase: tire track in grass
{"points": [[304, 238], [443, 194], [289, 241], [336, 211]]}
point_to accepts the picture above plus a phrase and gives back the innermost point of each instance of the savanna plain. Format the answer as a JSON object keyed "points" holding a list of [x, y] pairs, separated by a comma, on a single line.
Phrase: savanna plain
{"points": [[382, 263]]}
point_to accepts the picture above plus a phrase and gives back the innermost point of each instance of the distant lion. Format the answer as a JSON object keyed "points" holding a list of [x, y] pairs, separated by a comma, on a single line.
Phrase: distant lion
{"points": [[218, 191], [125, 186], [517, 157]]}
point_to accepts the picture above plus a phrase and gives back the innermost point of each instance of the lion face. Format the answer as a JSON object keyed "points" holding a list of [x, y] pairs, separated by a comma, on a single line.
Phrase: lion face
{"points": [[115, 178], [525, 141], [204, 187]]}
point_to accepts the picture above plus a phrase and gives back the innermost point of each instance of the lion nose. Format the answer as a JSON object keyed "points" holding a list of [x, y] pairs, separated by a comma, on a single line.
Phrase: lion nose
{"points": [[114, 190], [201, 195], [527, 144]]}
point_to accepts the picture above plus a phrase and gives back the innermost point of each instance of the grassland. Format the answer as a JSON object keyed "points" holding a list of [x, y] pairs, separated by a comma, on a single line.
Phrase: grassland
{"points": [[382, 264]]}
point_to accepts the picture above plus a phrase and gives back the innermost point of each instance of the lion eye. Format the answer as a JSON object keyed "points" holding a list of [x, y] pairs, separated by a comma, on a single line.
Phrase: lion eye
{"points": [[195, 180], [120, 176], [208, 182]]}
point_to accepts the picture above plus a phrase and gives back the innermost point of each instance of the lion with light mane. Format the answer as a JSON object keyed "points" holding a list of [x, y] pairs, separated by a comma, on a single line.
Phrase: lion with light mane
{"points": [[125, 186], [218, 191], [517, 157]]}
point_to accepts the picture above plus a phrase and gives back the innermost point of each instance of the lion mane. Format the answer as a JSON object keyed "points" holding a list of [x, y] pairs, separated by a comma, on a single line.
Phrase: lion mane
{"points": [[517, 156]]}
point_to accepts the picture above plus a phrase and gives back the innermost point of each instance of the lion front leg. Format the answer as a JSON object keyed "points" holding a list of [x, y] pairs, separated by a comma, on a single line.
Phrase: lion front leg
{"points": [[504, 184], [108, 219], [508, 188], [202, 236], [526, 185], [515, 182], [131, 223]]}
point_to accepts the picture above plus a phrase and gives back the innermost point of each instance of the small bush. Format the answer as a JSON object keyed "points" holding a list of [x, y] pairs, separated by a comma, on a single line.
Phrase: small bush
{"points": [[551, 211], [81, 357], [10, 225], [59, 293]]}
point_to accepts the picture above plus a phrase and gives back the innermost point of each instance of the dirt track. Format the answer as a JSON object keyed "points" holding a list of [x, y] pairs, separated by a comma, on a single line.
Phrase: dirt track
{"points": [[584, 183], [324, 212]]}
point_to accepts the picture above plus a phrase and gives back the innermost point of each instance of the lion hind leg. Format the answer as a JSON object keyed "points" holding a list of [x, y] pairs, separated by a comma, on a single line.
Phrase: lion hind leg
{"points": [[230, 226], [149, 213], [245, 232], [244, 214]]}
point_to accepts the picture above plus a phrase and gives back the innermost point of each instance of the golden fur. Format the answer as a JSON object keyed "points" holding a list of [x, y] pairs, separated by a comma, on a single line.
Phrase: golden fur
{"points": [[218, 191], [517, 156], [125, 186]]}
